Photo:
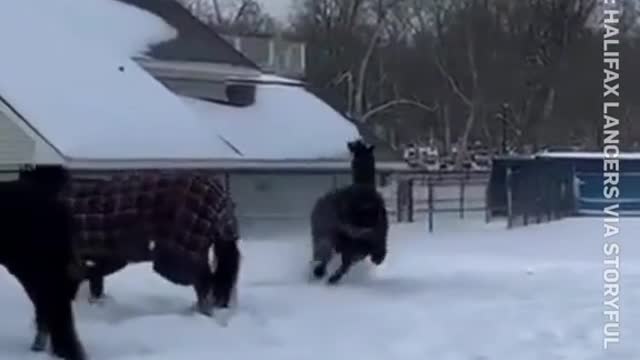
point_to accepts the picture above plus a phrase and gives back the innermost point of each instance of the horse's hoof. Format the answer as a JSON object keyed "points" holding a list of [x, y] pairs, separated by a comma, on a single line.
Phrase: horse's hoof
{"points": [[319, 271], [202, 309], [77, 353], [39, 343], [333, 280], [98, 301], [222, 316]]}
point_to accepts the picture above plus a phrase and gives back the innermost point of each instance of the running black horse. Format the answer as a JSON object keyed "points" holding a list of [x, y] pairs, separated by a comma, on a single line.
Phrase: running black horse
{"points": [[36, 248], [350, 221], [182, 222]]}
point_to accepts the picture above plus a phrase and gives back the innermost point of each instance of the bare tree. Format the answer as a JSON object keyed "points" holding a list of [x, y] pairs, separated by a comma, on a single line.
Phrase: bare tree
{"points": [[352, 32], [454, 64], [232, 16]]}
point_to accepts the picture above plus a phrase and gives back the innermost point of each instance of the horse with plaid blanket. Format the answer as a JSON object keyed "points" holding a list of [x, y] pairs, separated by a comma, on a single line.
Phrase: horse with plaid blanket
{"points": [[184, 223]]}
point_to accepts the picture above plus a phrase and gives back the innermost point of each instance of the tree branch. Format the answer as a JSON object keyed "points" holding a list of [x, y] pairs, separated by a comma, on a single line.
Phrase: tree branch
{"points": [[218, 11], [396, 102], [452, 82], [364, 64], [243, 7]]}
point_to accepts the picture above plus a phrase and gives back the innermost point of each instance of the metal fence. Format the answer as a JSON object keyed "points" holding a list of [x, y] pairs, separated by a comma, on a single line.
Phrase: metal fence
{"points": [[422, 195], [530, 190]]}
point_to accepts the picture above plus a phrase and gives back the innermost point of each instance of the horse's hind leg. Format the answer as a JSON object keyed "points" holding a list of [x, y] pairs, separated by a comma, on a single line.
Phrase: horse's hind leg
{"points": [[347, 261]]}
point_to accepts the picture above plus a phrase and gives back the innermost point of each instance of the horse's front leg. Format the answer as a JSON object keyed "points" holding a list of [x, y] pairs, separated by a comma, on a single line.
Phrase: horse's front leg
{"points": [[41, 339], [60, 321], [204, 302], [345, 265], [31, 287], [96, 288]]}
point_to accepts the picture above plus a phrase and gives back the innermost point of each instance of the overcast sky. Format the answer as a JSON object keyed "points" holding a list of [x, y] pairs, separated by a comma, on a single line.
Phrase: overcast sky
{"points": [[278, 8]]}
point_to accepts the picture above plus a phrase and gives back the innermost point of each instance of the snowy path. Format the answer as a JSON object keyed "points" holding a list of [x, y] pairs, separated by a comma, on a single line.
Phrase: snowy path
{"points": [[468, 292]]}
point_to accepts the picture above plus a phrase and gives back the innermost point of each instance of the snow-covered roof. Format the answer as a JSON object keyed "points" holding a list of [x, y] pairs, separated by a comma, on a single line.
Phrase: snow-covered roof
{"points": [[125, 29], [73, 80], [285, 122], [85, 95]]}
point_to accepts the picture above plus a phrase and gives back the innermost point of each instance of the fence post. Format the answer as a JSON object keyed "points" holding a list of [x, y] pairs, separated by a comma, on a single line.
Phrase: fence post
{"points": [[410, 200], [430, 201], [399, 202], [525, 203], [404, 199], [549, 198], [539, 190], [573, 196], [462, 186], [487, 203], [509, 198]]}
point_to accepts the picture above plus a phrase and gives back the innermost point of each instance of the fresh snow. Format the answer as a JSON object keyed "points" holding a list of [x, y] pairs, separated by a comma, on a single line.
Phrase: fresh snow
{"points": [[278, 79], [470, 291], [125, 29], [286, 122], [90, 101]]}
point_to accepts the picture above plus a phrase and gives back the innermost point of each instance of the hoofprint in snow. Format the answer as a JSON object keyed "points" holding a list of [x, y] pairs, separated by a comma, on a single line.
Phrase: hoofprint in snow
{"points": [[470, 291]]}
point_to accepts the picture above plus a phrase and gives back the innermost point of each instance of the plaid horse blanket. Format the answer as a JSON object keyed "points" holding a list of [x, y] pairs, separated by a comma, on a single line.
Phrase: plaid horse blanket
{"points": [[171, 219]]}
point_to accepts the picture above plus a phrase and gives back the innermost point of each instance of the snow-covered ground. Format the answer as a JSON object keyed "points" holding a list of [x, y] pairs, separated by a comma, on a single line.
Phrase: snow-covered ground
{"points": [[468, 292]]}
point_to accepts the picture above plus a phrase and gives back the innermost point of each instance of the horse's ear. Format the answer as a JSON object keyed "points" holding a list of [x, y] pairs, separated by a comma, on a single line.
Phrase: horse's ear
{"points": [[370, 147], [351, 145]]}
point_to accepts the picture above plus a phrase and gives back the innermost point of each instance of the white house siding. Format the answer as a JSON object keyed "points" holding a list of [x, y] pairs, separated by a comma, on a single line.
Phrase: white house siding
{"points": [[15, 145], [8, 173], [274, 204], [19, 144]]}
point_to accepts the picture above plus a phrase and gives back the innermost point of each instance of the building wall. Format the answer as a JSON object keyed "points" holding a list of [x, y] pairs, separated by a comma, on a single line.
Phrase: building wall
{"points": [[19, 144], [15, 145], [8, 173], [273, 54], [273, 203]]}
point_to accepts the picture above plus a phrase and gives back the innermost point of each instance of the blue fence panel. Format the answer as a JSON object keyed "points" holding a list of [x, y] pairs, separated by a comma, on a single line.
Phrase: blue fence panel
{"points": [[591, 199]]}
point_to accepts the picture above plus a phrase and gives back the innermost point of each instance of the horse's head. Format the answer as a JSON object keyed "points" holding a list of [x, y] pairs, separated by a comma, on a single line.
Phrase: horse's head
{"points": [[224, 264], [363, 163]]}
